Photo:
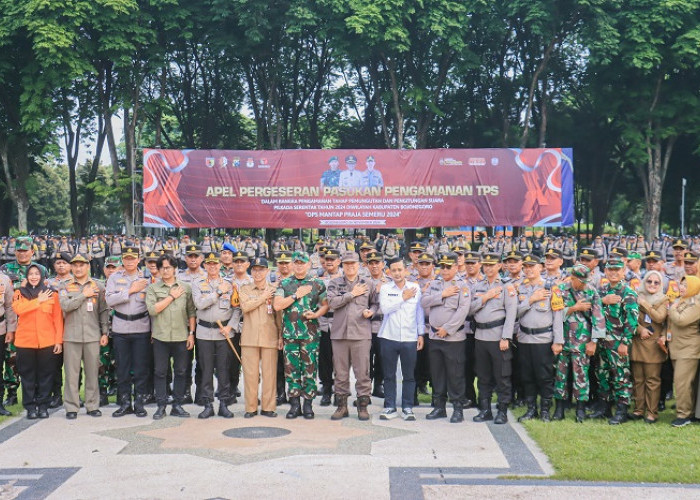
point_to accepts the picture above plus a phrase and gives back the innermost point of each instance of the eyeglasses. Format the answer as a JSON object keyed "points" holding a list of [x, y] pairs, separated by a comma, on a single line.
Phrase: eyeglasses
{"points": [[445, 266], [653, 282]]}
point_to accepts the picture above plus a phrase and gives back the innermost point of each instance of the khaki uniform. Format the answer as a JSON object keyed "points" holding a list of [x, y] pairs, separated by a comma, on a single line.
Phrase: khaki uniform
{"points": [[684, 350]]}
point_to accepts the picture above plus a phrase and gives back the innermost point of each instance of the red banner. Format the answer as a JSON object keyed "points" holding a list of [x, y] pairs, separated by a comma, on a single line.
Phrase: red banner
{"points": [[358, 188]]}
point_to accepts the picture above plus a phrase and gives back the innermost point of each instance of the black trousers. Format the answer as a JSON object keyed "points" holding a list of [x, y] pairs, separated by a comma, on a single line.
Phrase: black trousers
{"points": [[447, 370], [666, 378], [2, 367], [376, 372], [325, 362], [163, 352], [536, 364], [493, 370], [214, 355], [132, 355], [280, 376], [235, 367], [97, 265], [57, 388], [422, 374], [36, 368], [518, 390], [469, 368]]}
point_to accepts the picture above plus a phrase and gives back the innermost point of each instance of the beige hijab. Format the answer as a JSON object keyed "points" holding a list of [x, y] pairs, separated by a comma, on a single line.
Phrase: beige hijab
{"points": [[652, 298]]}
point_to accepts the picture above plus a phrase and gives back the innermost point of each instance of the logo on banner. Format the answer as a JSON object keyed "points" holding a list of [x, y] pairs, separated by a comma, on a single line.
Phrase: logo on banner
{"points": [[210, 162], [494, 161], [477, 162], [450, 162], [250, 163], [263, 163], [236, 161], [223, 162]]}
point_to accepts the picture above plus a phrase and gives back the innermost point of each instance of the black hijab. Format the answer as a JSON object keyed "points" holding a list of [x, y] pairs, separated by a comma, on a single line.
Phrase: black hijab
{"points": [[32, 292]]}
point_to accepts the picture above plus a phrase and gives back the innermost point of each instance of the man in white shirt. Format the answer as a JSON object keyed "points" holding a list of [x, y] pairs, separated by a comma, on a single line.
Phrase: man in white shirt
{"points": [[401, 336], [350, 178]]}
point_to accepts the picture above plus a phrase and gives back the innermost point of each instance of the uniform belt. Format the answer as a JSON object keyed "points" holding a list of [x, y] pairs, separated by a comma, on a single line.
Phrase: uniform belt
{"points": [[378, 317], [458, 329], [535, 331], [492, 324], [131, 317], [207, 324]]}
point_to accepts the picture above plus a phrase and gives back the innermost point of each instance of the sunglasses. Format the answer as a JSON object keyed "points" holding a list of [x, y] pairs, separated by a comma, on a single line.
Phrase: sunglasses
{"points": [[653, 282]]}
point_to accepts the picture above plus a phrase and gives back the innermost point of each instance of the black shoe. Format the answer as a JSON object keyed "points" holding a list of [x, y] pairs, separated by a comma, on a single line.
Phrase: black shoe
{"points": [[559, 411], [95, 413], [56, 401], [635, 416], [545, 407], [438, 412], [308, 411], [282, 399], [484, 414], [149, 399], [43, 413], [295, 408], [104, 399], [662, 405], [468, 404], [326, 399], [457, 414], [11, 400], [159, 413], [250, 414], [531, 410], [71, 415], [139, 410], [648, 420], [270, 414], [32, 414], [187, 398], [502, 414], [679, 422], [124, 408], [199, 401], [620, 416], [207, 412], [4, 412], [600, 408], [580, 411], [232, 400], [378, 391], [178, 411], [224, 411]]}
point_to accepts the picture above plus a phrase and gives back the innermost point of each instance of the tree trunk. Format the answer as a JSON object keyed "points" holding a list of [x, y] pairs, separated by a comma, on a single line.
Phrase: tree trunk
{"points": [[15, 167]]}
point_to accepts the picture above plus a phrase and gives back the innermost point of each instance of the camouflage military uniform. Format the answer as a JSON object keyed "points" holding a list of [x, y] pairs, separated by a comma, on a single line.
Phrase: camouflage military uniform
{"points": [[621, 320], [106, 374], [579, 329], [301, 336]]}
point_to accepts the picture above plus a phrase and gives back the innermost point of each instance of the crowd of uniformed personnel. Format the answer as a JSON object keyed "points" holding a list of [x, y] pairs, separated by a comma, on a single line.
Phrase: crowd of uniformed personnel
{"points": [[609, 329]]}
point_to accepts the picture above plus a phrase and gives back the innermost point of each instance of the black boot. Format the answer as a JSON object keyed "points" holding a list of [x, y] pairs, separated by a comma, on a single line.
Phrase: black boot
{"points": [[159, 413], [545, 406], [531, 410], [208, 410], [559, 411], [124, 407], [326, 397], [308, 410], [294, 408], [178, 411], [104, 399], [620, 416], [438, 411], [580, 411], [457, 413], [282, 399], [11, 398], [502, 415], [600, 409], [187, 398], [224, 411], [3, 411], [139, 409], [378, 391], [485, 411], [56, 401]]}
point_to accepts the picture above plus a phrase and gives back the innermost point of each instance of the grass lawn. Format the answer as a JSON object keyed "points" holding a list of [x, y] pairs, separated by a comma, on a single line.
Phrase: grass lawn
{"points": [[634, 451]]}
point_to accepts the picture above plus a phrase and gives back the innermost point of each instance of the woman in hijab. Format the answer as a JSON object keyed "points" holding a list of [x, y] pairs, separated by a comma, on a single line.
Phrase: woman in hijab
{"points": [[683, 340], [648, 351], [38, 337]]}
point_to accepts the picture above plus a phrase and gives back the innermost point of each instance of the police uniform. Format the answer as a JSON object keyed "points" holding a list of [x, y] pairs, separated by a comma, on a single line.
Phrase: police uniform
{"points": [[376, 372], [237, 282], [325, 350], [447, 354]]}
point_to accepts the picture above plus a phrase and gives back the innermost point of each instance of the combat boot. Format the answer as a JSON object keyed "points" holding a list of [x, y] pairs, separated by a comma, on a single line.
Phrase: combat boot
{"points": [[545, 407], [601, 409], [294, 407], [559, 411], [362, 404], [308, 411], [139, 409], [224, 411], [326, 394], [457, 413], [531, 410], [11, 397], [342, 410], [378, 391], [124, 407], [438, 411], [620, 416], [485, 411], [502, 415], [580, 411], [208, 410], [3, 411], [104, 399]]}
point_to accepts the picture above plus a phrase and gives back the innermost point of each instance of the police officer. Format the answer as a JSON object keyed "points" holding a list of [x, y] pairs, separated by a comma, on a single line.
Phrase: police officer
{"points": [[375, 264], [540, 338], [446, 301], [325, 352], [495, 307], [240, 277]]}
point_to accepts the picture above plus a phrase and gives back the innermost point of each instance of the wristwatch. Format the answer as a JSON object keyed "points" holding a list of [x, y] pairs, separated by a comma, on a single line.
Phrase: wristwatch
{"points": [[294, 296]]}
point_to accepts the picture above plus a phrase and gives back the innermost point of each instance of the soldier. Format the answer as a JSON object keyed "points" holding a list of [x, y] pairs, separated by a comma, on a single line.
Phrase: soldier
{"points": [[173, 333], [86, 317], [371, 177], [584, 325], [495, 307], [226, 259], [325, 322], [621, 317], [261, 340], [331, 177], [350, 178], [131, 332], [375, 263], [284, 271], [540, 339], [353, 300], [447, 300], [8, 326], [303, 300], [212, 298], [633, 272]]}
